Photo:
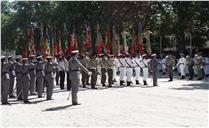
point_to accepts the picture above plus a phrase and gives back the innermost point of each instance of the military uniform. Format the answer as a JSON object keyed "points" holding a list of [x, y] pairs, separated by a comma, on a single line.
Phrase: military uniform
{"points": [[190, 64], [32, 72], [195, 64], [170, 63], [4, 80], [153, 65], [145, 68], [61, 68], [85, 76], [40, 77], [182, 66], [137, 67], [57, 75], [110, 68], [74, 67], [129, 70], [12, 76], [19, 84], [49, 77], [103, 64], [68, 74], [206, 68], [199, 64], [93, 68], [122, 69], [26, 79]]}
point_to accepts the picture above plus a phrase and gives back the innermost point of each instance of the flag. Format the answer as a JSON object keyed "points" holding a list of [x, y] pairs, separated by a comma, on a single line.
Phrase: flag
{"points": [[87, 38], [99, 45], [57, 46], [107, 42], [125, 47], [118, 44], [139, 44], [31, 45], [73, 45], [133, 44], [148, 44], [114, 39], [46, 43]]}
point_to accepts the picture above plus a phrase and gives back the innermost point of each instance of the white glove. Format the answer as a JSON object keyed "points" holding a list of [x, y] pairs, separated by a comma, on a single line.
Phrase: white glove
{"points": [[89, 73]]}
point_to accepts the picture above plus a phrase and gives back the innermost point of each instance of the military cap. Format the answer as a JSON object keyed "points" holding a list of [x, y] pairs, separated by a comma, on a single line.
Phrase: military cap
{"points": [[25, 58], [153, 55], [32, 56], [144, 55], [9, 56], [48, 57], [39, 57], [74, 51], [3, 57]]}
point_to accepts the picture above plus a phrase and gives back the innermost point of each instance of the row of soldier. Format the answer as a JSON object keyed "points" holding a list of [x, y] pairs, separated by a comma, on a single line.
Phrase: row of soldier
{"points": [[32, 76]]}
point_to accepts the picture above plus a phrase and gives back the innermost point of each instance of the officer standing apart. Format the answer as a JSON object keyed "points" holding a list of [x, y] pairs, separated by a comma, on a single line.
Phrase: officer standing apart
{"points": [[4, 80], [40, 76], [145, 60], [153, 65], [170, 63], [18, 72], [50, 67], [74, 67], [12, 76], [182, 65], [190, 64]]}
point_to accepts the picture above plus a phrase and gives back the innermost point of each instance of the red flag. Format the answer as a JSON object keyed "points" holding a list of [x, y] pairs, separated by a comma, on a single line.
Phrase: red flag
{"points": [[87, 38], [99, 42], [73, 45]]}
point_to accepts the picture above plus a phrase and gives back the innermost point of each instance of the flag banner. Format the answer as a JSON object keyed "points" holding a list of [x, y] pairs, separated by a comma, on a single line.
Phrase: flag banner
{"points": [[118, 44], [87, 38], [133, 44], [99, 42], [124, 36], [140, 45], [114, 41], [148, 44]]}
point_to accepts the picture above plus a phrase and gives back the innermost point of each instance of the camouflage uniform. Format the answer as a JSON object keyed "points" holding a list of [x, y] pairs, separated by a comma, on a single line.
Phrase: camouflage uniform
{"points": [[170, 63]]}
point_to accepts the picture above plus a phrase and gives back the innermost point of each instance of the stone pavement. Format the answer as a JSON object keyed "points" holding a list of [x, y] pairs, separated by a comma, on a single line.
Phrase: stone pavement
{"points": [[180, 103]]}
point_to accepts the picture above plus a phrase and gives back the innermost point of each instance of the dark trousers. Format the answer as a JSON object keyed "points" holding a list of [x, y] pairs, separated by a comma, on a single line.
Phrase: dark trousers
{"points": [[93, 77], [57, 77], [62, 79], [68, 81], [103, 75], [154, 77], [84, 78], [110, 76], [190, 72]]}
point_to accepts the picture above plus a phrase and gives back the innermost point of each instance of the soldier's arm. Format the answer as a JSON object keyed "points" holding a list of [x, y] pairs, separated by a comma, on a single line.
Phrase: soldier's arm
{"points": [[81, 66]]}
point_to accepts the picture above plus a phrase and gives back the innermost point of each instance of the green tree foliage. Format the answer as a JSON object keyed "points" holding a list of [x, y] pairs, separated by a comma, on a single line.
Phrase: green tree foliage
{"points": [[163, 18]]}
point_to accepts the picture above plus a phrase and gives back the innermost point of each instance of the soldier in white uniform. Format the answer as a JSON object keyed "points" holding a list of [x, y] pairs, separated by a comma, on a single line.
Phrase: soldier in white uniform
{"points": [[129, 69], [122, 68], [115, 67], [137, 66], [182, 65], [145, 60]]}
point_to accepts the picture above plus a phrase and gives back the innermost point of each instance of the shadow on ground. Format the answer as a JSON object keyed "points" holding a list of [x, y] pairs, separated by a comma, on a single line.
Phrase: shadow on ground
{"points": [[58, 108], [203, 86]]}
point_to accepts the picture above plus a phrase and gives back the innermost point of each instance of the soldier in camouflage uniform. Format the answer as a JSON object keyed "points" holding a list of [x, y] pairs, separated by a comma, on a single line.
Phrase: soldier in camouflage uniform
{"points": [[93, 68], [32, 72], [170, 63], [85, 63], [199, 64], [190, 64], [40, 69], [110, 67], [103, 64]]}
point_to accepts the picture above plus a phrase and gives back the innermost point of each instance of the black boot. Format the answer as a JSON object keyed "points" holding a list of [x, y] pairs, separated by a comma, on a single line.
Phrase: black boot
{"points": [[145, 82], [137, 82], [128, 83], [103, 85], [84, 86], [121, 83]]}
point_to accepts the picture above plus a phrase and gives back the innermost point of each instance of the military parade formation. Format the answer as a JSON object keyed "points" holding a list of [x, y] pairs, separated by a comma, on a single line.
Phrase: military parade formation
{"points": [[36, 75]]}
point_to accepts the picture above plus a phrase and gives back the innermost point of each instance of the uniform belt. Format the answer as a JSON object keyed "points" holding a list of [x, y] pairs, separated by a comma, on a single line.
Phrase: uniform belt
{"points": [[75, 70], [181, 63], [39, 70], [93, 68], [25, 73], [129, 67], [122, 66], [145, 67]]}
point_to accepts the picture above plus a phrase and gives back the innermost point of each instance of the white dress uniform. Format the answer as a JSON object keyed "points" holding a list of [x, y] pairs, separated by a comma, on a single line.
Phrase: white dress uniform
{"points": [[206, 68], [145, 70], [129, 70], [114, 60], [137, 66], [122, 69], [182, 66]]}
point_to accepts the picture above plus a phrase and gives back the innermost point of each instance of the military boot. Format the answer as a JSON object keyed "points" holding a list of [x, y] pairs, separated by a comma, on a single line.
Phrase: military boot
{"points": [[145, 82], [137, 82]]}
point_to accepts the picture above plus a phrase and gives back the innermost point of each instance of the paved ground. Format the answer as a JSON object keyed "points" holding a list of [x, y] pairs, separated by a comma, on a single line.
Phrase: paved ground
{"points": [[179, 103]]}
